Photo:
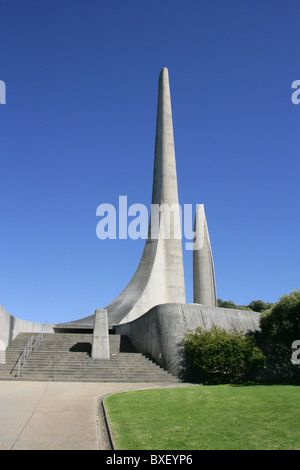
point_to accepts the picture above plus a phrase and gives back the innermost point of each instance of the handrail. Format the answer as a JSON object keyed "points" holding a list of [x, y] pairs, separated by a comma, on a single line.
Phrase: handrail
{"points": [[33, 342]]}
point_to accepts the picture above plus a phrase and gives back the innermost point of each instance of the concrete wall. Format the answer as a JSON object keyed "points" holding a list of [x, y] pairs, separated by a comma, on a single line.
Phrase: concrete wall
{"points": [[159, 331], [10, 327]]}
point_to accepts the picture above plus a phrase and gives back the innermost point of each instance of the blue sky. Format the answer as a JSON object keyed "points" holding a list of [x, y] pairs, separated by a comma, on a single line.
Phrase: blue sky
{"points": [[78, 130]]}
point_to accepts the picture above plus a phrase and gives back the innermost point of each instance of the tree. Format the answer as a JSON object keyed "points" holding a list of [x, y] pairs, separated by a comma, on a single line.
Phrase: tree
{"points": [[226, 304], [259, 305], [231, 304], [281, 323], [220, 356]]}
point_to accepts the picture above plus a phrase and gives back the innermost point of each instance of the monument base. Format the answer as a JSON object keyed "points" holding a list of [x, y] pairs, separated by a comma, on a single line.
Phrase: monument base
{"points": [[160, 330]]}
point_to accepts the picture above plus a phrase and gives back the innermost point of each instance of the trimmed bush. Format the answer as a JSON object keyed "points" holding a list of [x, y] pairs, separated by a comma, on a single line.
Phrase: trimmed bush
{"points": [[220, 356]]}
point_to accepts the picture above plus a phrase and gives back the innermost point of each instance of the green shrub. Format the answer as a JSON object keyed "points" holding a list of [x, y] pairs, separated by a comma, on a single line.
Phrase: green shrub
{"points": [[259, 305], [231, 304], [219, 356], [226, 304], [281, 323]]}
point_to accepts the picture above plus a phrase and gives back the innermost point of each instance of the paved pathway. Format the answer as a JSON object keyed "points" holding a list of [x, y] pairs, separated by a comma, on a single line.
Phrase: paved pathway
{"points": [[56, 415]]}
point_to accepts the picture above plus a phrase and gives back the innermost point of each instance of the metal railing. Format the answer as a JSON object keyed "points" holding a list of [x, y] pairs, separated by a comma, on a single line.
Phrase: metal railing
{"points": [[33, 343]]}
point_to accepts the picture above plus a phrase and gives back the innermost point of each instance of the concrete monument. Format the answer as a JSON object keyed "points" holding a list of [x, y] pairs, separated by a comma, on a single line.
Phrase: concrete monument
{"points": [[159, 277], [152, 309]]}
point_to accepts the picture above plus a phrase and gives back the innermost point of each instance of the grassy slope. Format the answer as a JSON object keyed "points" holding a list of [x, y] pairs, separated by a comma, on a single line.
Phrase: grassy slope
{"points": [[206, 417]]}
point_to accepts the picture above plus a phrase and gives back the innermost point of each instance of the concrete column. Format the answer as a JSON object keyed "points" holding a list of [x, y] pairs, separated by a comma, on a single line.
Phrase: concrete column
{"points": [[100, 346], [203, 266]]}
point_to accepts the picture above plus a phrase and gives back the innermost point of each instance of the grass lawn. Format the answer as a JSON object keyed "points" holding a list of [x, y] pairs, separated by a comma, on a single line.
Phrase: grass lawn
{"points": [[206, 417]]}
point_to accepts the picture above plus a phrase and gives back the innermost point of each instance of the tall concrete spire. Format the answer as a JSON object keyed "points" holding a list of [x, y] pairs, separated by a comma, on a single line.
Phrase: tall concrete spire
{"points": [[203, 267], [159, 277], [164, 177]]}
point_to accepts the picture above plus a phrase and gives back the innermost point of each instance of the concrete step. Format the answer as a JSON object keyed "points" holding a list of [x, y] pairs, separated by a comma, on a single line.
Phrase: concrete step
{"points": [[66, 357]]}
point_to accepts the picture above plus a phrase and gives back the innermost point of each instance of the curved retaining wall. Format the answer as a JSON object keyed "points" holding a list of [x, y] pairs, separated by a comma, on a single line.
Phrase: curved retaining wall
{"points": [[10, 327], [159, 331]]}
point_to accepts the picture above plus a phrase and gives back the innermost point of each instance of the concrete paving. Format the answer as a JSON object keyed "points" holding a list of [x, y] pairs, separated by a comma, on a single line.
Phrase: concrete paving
{"points": [[56, 415]]}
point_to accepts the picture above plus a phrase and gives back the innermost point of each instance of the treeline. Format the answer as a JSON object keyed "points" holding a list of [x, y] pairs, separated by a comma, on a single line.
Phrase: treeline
{"points": [[279, 321], [221, 356], [255, 305]]}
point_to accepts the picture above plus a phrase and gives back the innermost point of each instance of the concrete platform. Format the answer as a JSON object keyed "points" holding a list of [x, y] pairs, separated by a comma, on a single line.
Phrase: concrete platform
{"points": [[56, 415]]}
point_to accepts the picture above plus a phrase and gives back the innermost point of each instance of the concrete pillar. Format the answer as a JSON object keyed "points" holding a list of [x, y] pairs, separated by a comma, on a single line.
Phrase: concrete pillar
{"points": [[100, 346], [203, 267]]}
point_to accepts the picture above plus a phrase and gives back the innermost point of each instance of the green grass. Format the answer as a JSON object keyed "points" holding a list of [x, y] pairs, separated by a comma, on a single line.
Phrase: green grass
{"points": [[206, 417]]}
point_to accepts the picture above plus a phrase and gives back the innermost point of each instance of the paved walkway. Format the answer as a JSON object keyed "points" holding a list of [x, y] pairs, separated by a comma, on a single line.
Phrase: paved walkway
{"points": [[56, 415]]}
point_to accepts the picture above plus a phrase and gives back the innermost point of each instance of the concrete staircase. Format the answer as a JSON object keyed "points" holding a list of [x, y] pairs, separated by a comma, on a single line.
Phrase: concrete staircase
{"points": [[65, 357]]}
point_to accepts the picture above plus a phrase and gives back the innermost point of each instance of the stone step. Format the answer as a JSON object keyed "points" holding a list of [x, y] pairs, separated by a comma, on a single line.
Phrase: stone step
{"points": [[87, 379], [91, 367], [66, 366], [110, 369], [66, 357], [130, 377]]}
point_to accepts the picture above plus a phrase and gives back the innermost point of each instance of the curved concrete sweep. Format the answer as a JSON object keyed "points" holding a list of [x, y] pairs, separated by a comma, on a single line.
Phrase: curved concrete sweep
{"points": [[159, 277]]}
